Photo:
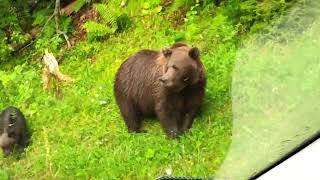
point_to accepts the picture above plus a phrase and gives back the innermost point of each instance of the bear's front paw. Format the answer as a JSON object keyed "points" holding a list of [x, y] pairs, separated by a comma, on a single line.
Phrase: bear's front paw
{"points": [[172, 134], [137, 131]]}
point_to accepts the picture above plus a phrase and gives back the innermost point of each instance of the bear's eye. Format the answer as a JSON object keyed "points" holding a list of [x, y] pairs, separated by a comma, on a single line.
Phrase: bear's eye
{"points": [[175, 67], [165, 69], [185, 79]]}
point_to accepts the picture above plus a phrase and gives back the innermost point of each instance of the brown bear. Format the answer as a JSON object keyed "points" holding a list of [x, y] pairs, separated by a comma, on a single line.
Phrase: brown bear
{"points": [[169, 84]]}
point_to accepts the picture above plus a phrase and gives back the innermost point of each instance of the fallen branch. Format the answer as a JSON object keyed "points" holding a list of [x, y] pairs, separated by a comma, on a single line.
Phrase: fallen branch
{"points": [[65, 37], [68, 9]]}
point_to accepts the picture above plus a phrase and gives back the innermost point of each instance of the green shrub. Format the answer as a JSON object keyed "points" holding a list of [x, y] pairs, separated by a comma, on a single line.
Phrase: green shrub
{"points": [[254, 15], [14, 19], [96, 31], [112, 20]]}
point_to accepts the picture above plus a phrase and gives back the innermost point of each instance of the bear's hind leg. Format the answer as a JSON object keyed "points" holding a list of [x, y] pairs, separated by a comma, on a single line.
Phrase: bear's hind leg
{"points": [[23, 141], [131, 115]]}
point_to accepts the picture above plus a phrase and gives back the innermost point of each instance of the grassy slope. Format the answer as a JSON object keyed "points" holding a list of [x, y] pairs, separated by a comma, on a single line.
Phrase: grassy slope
{"points": [[78, 138]]}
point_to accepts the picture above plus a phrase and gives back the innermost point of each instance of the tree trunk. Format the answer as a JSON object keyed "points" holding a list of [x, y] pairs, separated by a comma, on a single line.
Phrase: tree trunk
{"points": [[57, 14]]}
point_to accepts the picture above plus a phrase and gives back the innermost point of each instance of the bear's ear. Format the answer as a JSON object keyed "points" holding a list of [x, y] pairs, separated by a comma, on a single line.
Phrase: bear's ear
{"points": [[166, 52], [194, 53]]}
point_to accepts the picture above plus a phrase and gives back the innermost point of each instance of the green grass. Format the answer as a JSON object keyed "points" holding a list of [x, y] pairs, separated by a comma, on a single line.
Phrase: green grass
{"points": [[78, 137]]}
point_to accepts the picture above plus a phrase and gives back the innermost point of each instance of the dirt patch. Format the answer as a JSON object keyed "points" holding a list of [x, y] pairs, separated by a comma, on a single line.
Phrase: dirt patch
{"points": [[166, 3], [84, 15], [177, 17]]}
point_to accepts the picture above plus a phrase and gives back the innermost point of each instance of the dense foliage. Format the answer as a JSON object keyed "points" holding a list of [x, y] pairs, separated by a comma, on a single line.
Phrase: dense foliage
{"points": [[76, 128]]}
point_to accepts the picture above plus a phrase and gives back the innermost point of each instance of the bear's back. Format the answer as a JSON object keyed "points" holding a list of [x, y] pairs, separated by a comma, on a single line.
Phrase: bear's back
{"points": [[137, 79]]}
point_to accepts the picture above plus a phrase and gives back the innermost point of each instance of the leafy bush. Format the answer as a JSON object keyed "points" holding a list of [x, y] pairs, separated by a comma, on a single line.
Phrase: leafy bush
{"points": [[254, 15], [16, 88], [112, 21], [80, 4], [12, 22], [96, 30], [4, 48]]}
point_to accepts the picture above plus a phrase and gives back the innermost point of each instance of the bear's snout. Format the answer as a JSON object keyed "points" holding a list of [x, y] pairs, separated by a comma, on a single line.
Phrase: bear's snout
{"points": [[162, 80], [166, 82]]}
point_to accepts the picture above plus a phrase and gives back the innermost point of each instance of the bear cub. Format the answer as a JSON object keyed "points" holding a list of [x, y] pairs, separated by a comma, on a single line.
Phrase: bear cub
{"points": [[13, 130], [169, 84]]}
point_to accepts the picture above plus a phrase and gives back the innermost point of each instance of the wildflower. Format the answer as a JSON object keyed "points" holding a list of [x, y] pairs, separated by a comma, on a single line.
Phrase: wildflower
{"points": [[103, 102], [168, 171]]}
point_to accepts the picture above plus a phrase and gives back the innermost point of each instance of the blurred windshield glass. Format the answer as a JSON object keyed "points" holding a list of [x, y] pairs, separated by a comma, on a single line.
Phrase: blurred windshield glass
{"points": [[275, 92]]}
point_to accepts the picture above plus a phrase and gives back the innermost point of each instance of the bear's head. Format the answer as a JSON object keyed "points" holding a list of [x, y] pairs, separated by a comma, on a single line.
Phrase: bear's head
{"points": [[182, 67]]}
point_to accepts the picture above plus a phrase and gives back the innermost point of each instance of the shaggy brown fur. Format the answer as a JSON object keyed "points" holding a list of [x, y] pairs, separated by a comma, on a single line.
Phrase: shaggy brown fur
{"points": [[169, 84]]}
